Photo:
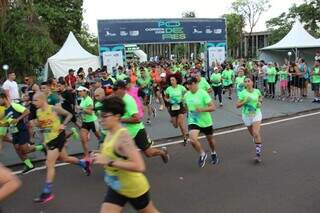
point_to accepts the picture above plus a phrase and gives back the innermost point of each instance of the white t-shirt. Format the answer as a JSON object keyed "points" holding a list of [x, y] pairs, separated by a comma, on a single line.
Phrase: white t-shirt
{"points": [[13, 89]]}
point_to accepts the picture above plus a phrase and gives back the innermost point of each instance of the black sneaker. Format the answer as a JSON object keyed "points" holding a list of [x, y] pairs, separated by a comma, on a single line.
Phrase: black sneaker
{"points": [[229, 98], [202, 160], [27, 170], [165, 158], [148, 121], [185, 142], [44, 198], [214, 158]]}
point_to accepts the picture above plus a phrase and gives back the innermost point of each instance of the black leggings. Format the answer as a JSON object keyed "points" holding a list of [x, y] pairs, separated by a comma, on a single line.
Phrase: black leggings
{"points": [[218, 91], [272, 89]]}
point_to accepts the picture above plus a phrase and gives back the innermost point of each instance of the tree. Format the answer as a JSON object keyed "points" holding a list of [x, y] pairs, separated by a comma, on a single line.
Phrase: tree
{"points": [[235, 24], [88, 40], [251, 11], [308, 13], [61, 16]]}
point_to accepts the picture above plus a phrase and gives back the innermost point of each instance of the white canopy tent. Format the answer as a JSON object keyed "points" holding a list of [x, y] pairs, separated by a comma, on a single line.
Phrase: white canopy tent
{"points": [[70, 56], [298, 41]]}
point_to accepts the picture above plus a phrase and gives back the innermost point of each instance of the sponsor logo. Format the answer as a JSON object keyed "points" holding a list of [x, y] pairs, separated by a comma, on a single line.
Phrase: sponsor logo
{"points": [[134, 33], [123, 33], [209, 31], [196, 31], [110, 34], [217, 31]]}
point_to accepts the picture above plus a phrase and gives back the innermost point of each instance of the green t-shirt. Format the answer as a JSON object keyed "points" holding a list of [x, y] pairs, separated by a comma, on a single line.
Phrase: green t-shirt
{"points": [[175, 94], [144, 82], [121, 76], [227, 76], [251, 107], [271, 74], [283, 75], [86, 103], [316, 75], [203, 84], [200, 99], [131, 109], [215, 79], [240, 83]]}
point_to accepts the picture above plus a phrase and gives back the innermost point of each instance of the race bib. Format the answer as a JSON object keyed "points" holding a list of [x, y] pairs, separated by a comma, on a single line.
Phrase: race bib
{"points": [[175, 107]]}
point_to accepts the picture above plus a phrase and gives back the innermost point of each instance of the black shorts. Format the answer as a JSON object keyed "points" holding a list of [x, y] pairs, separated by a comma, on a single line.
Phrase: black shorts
{"points": [[205, 130], [316, 87], [20, 138], [228, 87], [89, 126], [58, 142], [175, 113], [142, 140], [120, 200]]}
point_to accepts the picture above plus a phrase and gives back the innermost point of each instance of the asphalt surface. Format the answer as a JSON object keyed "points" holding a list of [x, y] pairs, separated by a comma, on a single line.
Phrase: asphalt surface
{"points": [[287, 180], [160, 128]]}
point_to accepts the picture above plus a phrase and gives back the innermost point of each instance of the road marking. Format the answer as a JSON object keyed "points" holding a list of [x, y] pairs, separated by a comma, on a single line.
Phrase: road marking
{"points": [[201, 137]]}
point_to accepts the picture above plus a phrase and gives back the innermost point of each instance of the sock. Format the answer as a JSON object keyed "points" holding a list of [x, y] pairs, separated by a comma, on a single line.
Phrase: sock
{"points": [[39, 147], [28, 163], [213, 153], [258, 149], [202, 154], [82, 163], [47, 188]]}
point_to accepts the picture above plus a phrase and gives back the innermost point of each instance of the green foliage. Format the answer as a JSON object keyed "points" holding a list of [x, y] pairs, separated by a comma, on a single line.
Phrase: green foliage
{"points": [[308, 13], [235, 24], [32, 31]]}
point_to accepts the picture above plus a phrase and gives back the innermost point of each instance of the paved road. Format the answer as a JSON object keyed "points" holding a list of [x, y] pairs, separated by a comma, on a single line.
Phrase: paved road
{"points": [[287, 181], [226, 116]]}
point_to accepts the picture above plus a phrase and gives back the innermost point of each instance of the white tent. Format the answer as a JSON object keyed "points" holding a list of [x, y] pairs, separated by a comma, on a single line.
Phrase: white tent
{"points": [[70, 56], [298, 41]]}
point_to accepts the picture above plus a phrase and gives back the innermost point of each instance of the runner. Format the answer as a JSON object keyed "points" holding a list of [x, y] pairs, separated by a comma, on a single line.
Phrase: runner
{"points": [[199, 105], [89, 119], [174, 96], [145, 84], [251, 100], [99, 96], [123, 164], [14, 115], [54, 140], [315, 76], [240, 80], [132, 121], [216, 83], [227, 79], [283, 77], [202, 82]]}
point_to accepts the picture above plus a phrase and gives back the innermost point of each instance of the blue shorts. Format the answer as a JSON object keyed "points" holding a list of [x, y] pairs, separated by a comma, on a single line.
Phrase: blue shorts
{"points": [[20, 138]]}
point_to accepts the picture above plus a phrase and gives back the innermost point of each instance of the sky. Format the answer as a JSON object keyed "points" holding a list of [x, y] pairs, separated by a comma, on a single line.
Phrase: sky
{"points": [[123, 9]]}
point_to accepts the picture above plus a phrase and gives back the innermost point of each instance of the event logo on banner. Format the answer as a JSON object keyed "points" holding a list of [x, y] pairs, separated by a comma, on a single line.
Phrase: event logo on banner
{"points": [[112, 59], [142, 31], [216, 52]]}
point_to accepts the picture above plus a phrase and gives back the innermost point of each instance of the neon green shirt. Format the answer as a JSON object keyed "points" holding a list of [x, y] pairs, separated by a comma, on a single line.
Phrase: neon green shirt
{"points": [[203, 84], [316, 75], [251, 107], [216, 79], [86, 103], [240, 83], [131, 109], [283, 75], [200, 99], [271, 74], [227, 76], [175, 94]]}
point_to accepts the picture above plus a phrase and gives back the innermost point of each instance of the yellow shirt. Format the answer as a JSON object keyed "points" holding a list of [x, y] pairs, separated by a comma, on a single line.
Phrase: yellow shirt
{"points": [[49, 122], [127, 183]]}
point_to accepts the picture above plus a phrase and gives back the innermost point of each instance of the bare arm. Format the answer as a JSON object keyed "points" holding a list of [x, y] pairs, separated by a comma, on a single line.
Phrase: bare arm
{"points": [[133, 119], [67, 115], [9, 183]]}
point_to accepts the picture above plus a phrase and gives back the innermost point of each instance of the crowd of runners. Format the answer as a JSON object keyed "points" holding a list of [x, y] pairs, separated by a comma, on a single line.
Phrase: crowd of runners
{"points": [[112, 106]]}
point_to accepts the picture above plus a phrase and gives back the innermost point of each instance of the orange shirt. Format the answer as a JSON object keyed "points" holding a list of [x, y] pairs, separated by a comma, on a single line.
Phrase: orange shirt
{"points": [[155, 76]]}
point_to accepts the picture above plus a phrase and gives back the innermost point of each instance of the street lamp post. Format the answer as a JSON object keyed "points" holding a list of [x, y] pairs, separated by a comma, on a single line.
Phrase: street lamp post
{"points": [[5, 67]]}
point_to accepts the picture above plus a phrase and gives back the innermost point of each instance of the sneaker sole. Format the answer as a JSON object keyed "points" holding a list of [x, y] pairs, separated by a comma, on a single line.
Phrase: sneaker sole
{"points": [[204, 161], [45, 200], [24, 173]]}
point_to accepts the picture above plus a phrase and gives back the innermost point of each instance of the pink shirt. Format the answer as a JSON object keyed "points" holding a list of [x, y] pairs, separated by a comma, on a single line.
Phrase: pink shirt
{"points": [[133, 91]]}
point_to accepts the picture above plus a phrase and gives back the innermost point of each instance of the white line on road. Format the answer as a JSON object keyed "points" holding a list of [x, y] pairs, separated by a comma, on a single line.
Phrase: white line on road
{"points": [[201, 137]]}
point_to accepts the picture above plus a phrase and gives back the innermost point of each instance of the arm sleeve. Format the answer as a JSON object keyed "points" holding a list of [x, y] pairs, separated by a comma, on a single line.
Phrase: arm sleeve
{"points": [[206, 97]]}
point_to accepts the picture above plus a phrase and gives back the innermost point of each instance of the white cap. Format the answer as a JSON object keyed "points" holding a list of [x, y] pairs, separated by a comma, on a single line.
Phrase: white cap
{"points": [[163, 75], [82, 88]]}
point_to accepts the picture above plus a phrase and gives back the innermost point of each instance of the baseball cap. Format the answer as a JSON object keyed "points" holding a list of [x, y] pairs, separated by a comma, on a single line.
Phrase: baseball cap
{"points": [[120, 84], [163, 75], [82, 88], [191, 80]]}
